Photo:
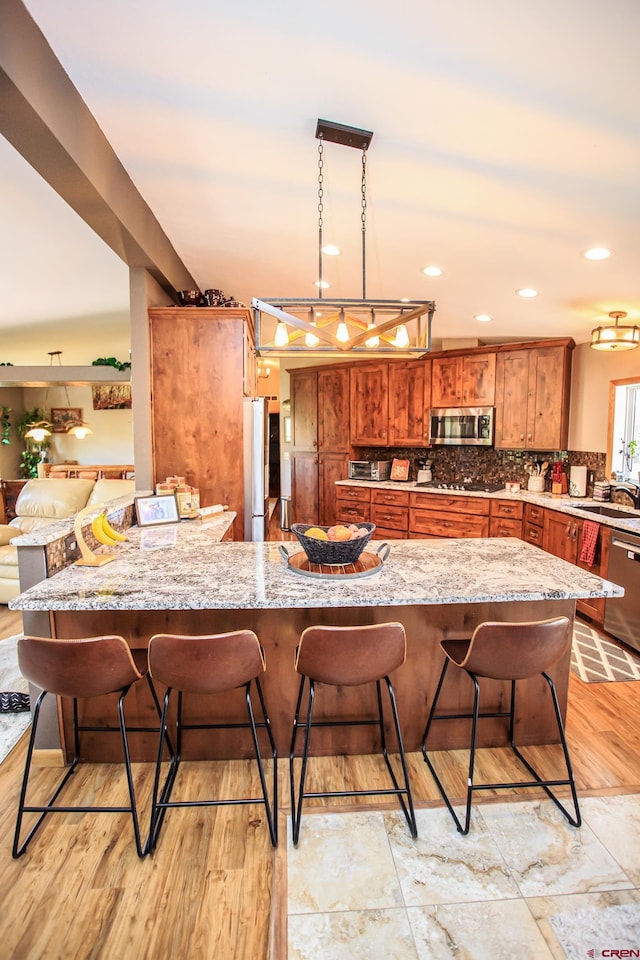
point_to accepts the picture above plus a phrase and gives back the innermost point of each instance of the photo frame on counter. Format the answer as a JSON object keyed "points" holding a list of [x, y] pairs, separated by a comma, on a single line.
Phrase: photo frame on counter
{"points": [[154, 510]]}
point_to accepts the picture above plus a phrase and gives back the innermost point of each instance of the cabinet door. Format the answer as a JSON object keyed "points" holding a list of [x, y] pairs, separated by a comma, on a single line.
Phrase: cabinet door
{"points": [[561, 535], [409, 392], [479, 380], [331, 467], [547, 415], [370, 404], [512, 387], [333, 411], [304, 487], [446, 382], [304, 409]]}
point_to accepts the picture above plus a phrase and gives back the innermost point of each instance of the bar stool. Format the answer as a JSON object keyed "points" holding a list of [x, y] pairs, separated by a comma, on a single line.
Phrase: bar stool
{"points": [[80, 669], [207, 665], [348, 657], [506, 651]]}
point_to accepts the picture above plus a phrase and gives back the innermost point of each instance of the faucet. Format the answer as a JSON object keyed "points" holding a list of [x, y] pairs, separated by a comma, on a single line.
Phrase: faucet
{"points": [[632, 489]]}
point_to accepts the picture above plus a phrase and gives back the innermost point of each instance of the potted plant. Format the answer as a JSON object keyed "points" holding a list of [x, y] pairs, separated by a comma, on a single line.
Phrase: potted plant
{"points": [[34, 450], [5, 425]]}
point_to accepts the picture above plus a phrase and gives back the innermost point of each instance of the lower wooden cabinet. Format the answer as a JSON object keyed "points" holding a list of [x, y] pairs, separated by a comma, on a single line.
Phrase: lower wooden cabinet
{"points": [[352, 504], [390, 513], [506, 518], [444, 516], [563, 537]]}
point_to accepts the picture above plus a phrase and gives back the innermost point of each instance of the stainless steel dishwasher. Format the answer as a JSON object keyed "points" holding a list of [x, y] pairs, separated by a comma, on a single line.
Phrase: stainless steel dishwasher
{"points": [[622, 614]]}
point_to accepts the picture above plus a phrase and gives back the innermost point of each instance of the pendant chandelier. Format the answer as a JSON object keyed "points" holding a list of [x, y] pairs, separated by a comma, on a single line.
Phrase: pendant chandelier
{"points": [[74, 426], [306, 327], [616, 336]]}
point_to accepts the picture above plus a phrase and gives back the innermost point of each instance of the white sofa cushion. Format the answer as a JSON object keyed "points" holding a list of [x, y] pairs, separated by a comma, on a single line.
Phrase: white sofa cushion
{"points": [[53, 499], [106, 489]]}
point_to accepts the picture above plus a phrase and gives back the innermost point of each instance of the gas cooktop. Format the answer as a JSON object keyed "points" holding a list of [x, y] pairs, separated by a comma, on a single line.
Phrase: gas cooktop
{"points": [[472, 486]]}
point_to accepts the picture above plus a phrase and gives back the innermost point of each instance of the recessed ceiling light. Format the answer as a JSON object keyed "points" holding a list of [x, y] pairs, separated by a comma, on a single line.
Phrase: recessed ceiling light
{"points": [[331, 250], [322, 284], [432, 271], [483, 317], [527, 292], [405, 300], [597, 253]]}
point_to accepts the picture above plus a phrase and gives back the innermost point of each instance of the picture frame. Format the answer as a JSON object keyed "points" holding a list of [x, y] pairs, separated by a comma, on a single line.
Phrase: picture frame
{"points": [[62, 416], [112, 397], [156, 509]]}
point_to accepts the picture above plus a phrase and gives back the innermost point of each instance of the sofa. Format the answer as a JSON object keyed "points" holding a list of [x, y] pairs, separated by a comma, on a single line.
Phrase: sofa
{"points": [[42, 501]]}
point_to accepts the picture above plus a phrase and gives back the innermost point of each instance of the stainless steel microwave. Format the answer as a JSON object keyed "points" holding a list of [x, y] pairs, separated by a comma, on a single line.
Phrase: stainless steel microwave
{"points": [[369, 469], [462, 426]]}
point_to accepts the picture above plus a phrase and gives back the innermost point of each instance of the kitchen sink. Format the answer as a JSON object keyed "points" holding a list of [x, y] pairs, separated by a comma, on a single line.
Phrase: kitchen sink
{"points": [[606, 511]]}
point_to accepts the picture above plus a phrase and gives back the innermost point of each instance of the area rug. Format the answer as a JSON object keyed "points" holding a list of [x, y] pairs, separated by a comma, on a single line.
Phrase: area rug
{"points": [[12, 725], [595, 659]]}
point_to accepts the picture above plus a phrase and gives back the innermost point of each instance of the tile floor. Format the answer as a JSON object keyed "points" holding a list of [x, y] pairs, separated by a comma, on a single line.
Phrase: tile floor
{"points": [[523, 884]]}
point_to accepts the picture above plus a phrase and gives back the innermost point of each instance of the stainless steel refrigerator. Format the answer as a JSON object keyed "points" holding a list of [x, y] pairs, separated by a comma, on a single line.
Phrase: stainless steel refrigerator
{"points": [[256, 468]]}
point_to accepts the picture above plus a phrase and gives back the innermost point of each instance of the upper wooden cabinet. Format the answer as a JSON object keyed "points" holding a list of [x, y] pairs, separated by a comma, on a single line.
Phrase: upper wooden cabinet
{"points": [[532, 397], [464, 380], [370, 404], [333, 410], [409, 398], [304, 409]]}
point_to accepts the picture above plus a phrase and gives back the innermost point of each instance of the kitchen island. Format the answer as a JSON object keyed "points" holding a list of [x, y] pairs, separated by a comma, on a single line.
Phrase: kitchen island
{"points": [[184, 581]]}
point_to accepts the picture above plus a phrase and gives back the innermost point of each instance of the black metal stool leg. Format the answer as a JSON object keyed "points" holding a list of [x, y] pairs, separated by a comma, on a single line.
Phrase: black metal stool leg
{"points": [[271, 819], [296, 807], [127, 764], [158, 813], [407, 808]]}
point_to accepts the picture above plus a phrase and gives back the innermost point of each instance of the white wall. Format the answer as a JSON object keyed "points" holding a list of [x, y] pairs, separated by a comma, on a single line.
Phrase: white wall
{"points": [[593, 371]]}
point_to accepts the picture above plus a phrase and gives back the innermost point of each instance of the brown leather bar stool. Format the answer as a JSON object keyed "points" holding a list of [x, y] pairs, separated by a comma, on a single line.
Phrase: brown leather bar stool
{"points": [[349, 657], [506, 651], [208, 665], [80, 669]]}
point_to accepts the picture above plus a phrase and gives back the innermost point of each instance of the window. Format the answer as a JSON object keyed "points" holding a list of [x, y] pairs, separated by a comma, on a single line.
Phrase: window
{"points": [[625, 450]]}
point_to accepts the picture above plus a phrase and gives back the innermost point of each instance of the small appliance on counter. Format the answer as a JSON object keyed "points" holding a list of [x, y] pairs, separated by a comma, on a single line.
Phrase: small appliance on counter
{"points": [[425, 474], [369, 469]]}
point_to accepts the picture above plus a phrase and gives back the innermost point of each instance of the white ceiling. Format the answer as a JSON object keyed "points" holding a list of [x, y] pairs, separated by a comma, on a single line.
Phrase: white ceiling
{"points": [[506, 142]]}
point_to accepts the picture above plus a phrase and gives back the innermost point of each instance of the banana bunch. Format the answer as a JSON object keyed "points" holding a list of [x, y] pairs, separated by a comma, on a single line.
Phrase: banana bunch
{"points": [[104, 532]]}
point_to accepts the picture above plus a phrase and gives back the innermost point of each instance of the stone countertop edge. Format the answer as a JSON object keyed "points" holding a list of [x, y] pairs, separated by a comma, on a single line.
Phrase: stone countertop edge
{"points": [[563, 503], [186, 567]]}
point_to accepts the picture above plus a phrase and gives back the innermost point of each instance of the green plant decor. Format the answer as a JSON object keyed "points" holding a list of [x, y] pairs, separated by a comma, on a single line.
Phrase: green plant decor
{"points": [[5, 425], [33, 449], [111, 362]]}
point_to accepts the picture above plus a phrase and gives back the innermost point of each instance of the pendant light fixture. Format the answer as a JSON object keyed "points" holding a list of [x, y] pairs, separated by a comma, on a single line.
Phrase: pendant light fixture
{"points": [[297, 332], [74, 427], [616, 336]]}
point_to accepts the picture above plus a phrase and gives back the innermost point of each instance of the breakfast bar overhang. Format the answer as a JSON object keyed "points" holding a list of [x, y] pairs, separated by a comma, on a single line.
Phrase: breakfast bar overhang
{"points": [[177, 580]]}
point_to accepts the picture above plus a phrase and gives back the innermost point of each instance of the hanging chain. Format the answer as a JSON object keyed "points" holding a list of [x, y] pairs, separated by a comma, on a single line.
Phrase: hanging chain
{"points": [[320, 210], [363, 218]]}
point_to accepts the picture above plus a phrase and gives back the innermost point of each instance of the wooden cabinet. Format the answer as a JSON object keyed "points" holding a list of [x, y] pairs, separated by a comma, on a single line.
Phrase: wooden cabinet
{"points": [[464, 380], [533, 524], [563, 537], [333, 411], [532, 397], [370, 404], [352, 504], [409, 399], [198, 359], [506, 518], [448, 516], [304, 486], [390, 513], [304, 409], [9, 493], [331, 467]]}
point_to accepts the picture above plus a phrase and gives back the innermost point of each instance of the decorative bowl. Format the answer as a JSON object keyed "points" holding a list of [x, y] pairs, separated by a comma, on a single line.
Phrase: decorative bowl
{"points": [[190, 298], [331, 552]]}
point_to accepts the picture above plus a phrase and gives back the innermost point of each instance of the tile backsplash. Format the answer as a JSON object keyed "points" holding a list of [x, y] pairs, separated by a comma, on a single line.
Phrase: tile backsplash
{"points": [[486, 463]]}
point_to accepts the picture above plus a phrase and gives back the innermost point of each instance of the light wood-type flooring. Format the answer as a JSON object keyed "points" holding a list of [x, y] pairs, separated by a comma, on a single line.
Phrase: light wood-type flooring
{"points": [[215, 888]]}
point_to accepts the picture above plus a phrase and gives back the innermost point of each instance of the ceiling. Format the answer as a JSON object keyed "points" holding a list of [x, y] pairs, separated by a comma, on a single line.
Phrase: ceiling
{"points": [[506, 141]]}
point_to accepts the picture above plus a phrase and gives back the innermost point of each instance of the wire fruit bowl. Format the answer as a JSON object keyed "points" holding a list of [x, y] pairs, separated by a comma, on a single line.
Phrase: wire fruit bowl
{"points": [[331, 552]]}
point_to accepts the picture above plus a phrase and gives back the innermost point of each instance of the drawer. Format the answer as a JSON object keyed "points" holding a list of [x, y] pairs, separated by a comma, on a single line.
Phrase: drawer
{"points": [[534, 514], [361, 494], [532, 533], [352, 512], [509, 509], [396, 518], [383, 533], [442, 502], [395, 498], [592, 608], [447, 524], [500, 527]]}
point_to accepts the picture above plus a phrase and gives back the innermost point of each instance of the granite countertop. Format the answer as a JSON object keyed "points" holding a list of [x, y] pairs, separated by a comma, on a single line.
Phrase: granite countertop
{"points": [[185, 567], [58, 529], [574, 506]]}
